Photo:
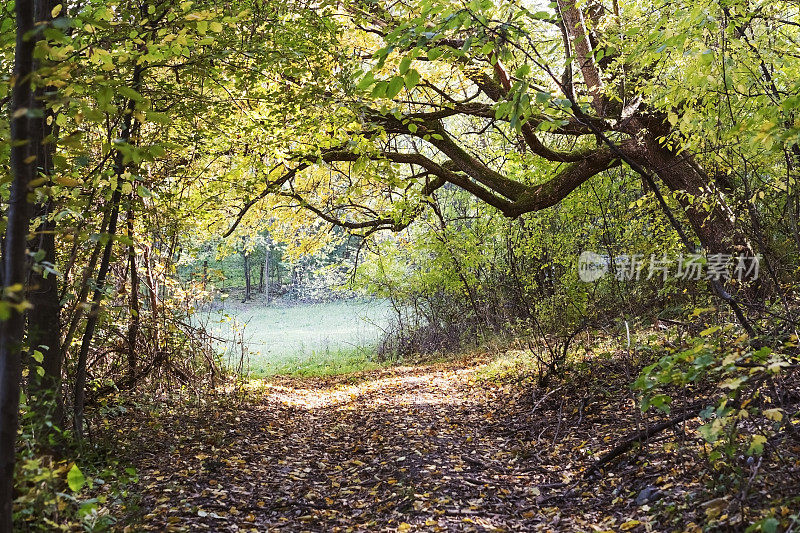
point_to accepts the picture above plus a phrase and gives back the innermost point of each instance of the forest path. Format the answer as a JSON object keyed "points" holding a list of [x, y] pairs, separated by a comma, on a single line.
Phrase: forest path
{"points": [[412, 448]]}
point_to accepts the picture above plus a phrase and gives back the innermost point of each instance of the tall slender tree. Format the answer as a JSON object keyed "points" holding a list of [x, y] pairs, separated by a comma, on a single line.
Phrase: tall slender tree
{"points": [[23, 163], [44, 325], [129, 125]]}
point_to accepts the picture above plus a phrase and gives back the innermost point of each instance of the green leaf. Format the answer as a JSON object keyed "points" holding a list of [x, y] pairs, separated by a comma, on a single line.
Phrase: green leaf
{"points": [[542, 97], [541, 15], [75, 478], [523, 71], [160, 118], [661, 402], [379, 91], [405, 63], [435, 53], [412, 78], [104, 95], [366, 81], [769, 525], [394, 87], [127, 92]]}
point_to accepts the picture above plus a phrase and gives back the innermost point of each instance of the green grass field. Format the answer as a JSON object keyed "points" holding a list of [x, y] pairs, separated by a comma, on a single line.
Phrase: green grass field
{"points": [[305, 339]]}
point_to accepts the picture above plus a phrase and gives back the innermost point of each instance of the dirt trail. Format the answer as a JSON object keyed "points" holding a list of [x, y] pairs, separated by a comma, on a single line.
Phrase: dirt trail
{"points": [[418, 448]]}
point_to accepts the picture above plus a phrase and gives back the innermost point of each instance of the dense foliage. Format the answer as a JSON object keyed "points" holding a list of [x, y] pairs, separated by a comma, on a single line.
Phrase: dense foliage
{"points": [[455, 158]]}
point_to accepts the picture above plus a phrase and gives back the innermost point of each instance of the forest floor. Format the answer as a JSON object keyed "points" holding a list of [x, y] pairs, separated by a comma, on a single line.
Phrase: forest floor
{"points": [[445, 447]]}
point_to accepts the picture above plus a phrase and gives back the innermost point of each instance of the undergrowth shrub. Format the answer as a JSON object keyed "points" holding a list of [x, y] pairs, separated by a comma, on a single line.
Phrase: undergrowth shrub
{"points": [[62, 484], [746, 395]]}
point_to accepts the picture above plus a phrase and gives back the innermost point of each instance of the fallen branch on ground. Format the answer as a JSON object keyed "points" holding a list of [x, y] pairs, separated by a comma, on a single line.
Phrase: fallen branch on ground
{"points": [[641, 436]]}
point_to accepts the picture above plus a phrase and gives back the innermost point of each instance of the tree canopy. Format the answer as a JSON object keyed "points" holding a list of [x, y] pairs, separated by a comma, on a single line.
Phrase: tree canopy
{"points": [[453, 158]]}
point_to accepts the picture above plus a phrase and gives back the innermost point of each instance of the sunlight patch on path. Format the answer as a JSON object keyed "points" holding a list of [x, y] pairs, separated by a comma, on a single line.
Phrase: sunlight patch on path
{"points": [[438, 387]]}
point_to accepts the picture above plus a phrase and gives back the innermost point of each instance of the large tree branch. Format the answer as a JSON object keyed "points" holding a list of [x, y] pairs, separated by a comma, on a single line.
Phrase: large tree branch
{"points": [[470, 165], [557, 188], [496, 92], [581, 51], [374, 223], [441, 172], [434, 133], [572, 128], [537, 147], [510, 197]]}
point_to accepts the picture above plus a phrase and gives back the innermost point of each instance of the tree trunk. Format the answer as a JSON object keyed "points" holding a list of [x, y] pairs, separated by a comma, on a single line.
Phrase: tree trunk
{"points": [[581, 50], [268, 254], [713, 227], [91, 322], [105, 261], [261, 280], [133, 327], [246, 261], [152, 291], [44, 325], [77, 309], [44, 319], [14, 263]]}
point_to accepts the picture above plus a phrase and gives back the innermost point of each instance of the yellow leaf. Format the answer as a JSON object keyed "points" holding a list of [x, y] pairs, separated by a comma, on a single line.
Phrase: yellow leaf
{"points": [[709, 331], [405, 526], [757, 445], [56, 10], [774, 414], [630, 524], [66, 181], [715, 507], [776, 366]]}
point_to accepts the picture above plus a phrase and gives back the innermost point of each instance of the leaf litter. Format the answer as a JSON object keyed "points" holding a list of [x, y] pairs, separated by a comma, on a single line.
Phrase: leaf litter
{"points": [[425, 448]]}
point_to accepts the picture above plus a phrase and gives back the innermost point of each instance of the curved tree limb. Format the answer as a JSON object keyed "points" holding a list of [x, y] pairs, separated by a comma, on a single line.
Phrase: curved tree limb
{"points": [[491, 187]]}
